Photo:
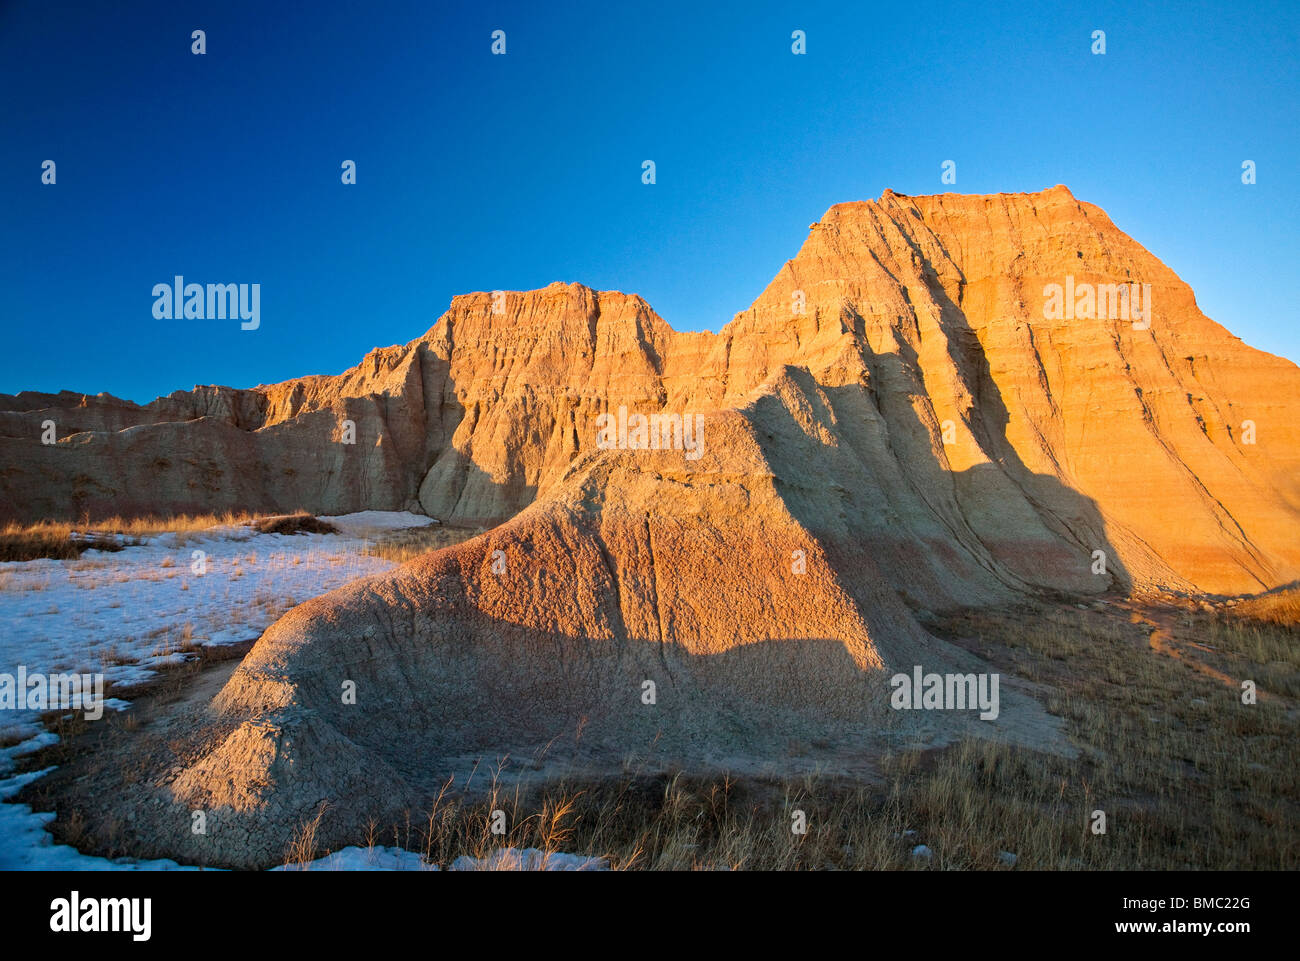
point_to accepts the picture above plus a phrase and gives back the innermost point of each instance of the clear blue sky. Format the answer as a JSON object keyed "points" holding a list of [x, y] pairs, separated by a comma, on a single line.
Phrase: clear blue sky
{"points": [[478, 172]]}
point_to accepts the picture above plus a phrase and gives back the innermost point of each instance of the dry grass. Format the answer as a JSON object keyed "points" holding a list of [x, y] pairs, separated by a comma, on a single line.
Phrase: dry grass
{"points": [[1187, 775], [682, 822], [1281, 607], [49, 539], [139, 526], [401, 546], [1263, 631], [302, 849], [297, 523], [67, 540]]}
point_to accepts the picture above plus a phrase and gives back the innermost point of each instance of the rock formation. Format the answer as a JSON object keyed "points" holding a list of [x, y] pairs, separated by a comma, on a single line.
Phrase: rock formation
{"points": [[648, 612], [908, 314], [894, 425]]}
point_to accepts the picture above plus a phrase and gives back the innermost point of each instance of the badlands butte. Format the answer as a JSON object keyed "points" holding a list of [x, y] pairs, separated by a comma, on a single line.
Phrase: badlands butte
{"points": [[916, 438]]}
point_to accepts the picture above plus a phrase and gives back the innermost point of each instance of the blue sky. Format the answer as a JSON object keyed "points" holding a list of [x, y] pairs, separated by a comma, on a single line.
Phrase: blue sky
{"points": [[478, 172]]}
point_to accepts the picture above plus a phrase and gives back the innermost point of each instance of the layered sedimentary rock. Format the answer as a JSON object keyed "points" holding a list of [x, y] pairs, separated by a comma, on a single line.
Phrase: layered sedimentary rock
{"points": [[974, 440], [895, 424]]}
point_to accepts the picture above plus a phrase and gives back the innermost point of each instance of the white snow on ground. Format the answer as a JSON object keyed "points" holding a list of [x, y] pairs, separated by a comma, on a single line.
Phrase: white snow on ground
{"points": [[364, 523], [126, 613], [396, 859], [377, 858], [530, 859], [25, 845]]}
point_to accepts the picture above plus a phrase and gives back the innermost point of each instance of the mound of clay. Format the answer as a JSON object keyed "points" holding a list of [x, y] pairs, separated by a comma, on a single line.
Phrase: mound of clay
{"points": [[650, 611]]}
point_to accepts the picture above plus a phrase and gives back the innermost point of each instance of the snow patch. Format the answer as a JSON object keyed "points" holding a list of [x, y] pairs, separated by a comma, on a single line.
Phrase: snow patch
{"points": [[127, 613]]}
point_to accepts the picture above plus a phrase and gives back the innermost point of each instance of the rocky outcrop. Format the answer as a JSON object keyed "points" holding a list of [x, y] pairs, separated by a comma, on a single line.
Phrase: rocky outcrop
{"points": [[649, 611], [897, 423], [980, 438]]}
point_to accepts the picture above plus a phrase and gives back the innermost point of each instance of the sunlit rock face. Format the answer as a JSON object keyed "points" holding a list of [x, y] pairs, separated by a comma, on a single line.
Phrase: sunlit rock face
{"points": [[978, 431]]}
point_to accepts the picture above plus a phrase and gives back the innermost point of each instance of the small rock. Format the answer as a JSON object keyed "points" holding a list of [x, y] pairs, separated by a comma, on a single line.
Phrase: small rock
{"points": [[922, 852]]}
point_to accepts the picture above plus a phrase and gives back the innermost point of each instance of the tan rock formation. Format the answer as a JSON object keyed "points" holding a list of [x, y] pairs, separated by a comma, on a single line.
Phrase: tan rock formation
{"points": [[893, 425], [1065, 436], [768, 649]]}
